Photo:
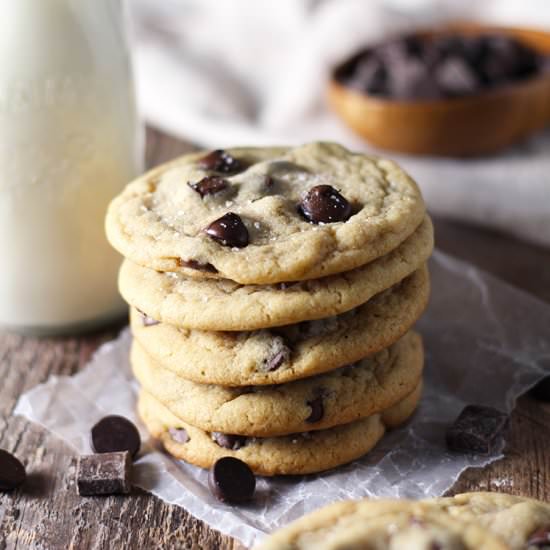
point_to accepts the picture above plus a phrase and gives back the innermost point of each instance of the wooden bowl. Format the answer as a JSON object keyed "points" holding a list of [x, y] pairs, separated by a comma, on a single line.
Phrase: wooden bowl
{"points": [[474, 125]]}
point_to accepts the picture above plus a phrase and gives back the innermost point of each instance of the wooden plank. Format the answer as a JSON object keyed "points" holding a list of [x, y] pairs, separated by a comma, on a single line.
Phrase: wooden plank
{"points": [[48, 513]]}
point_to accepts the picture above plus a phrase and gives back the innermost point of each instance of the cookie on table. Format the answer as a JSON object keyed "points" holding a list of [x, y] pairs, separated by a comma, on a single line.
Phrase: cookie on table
{"points": [[265, 215], [523, 523], [303, 453], [211, 304], [382, 525], [317, 403], [290, 352]]}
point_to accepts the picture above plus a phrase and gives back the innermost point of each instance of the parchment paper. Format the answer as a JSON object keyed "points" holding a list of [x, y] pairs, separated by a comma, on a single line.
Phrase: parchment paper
{"points": [[486, 342]]}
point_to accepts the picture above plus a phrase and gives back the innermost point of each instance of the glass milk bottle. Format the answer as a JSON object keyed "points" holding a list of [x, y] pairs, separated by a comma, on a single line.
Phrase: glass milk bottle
{"points": [[69, 141]]}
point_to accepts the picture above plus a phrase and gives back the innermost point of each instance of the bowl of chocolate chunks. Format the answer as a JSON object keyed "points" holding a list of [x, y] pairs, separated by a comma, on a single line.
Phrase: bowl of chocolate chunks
{"points": [[462, 90]]}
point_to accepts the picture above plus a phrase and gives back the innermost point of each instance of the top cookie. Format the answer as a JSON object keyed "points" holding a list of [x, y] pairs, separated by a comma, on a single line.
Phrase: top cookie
{"points": [[381, 525], [265, 215]]}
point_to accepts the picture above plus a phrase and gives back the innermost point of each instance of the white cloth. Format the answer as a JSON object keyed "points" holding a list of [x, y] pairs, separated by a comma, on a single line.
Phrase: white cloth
{"points": [[254, 72]]}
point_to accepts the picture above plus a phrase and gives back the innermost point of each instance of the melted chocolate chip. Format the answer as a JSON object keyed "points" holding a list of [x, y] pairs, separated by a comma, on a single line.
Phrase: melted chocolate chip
{"points": [[194, 264], [229, 441], [324, 204], [229, 230], [317, 410], [179, 435], [115, 434], [12, 472], [221, 161], [209, 185], [476, 430], [540, 538], [231, 480], [146, 320]]}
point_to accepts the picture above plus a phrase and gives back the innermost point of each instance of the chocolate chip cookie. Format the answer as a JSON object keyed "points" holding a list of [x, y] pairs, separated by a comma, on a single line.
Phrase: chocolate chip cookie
{"points": [[522, 523], [265, 215], [382, 525], [215, 305], [317, 403], [290, 352], [302, 453]]}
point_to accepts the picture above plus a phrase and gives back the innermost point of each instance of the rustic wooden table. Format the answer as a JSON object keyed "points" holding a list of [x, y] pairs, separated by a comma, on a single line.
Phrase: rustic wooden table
{"points": [[47, 513]]}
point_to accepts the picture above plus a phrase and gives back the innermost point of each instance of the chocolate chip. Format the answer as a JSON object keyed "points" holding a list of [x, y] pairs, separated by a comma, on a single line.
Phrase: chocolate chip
{"points": [[371, 76], [449, 65], [540, 539], [275, 362], [455, 77], [324, 204], [209, 185], [278, 354], [115, 434], [231, 480], [12, 472], [229, 230], [221, 161], [194, 264], [476, 430], [317, 409], [146, 320], [229, 441], [179, 435], [104, 474]]}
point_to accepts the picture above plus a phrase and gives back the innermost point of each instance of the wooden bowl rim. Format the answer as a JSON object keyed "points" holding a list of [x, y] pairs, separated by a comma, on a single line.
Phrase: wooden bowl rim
{"points": [[503, 90]]}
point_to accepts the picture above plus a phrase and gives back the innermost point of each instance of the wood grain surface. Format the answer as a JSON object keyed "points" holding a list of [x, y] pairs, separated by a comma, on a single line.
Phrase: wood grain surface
{"points": [[47, 513]]}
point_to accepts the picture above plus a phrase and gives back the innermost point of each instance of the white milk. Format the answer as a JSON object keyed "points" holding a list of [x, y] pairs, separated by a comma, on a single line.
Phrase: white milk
{"points": [[69, 141]]}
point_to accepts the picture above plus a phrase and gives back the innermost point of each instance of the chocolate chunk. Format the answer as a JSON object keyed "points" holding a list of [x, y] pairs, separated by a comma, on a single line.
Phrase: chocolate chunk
{"points": [[194, 264], [209, 185], [115, 434], [542, 390], [12, 472], [221, 161], [229, 441], [540, 539], [476, 430], [455, 78], [179, 435], [317, 409], [104, 474], [323, 204], [229, 230], [146, 320], [231, 480]]}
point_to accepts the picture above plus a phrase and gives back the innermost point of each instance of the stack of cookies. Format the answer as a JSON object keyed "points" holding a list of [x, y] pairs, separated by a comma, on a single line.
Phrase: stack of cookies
{"points": [[272, 293]]}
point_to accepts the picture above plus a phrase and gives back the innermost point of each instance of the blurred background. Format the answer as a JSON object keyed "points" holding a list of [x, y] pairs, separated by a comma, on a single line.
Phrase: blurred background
{"points": [[256, 72]]}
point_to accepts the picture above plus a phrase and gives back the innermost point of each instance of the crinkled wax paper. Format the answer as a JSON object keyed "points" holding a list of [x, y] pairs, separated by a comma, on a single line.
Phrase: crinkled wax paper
{"points": [[486, 342]]}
